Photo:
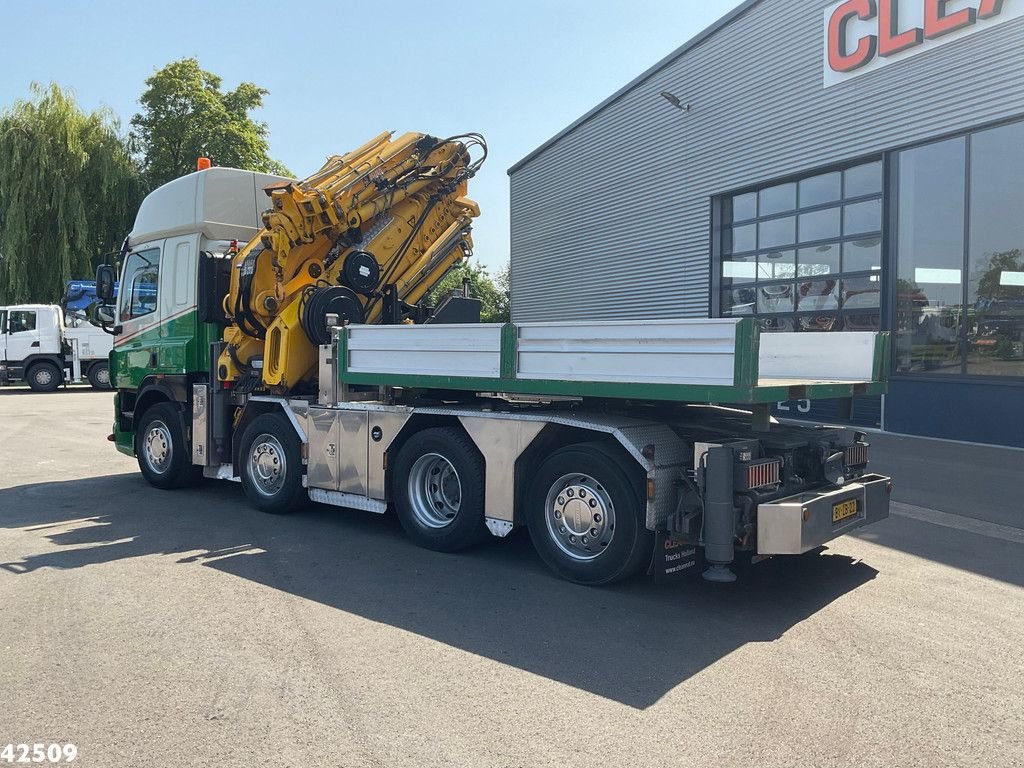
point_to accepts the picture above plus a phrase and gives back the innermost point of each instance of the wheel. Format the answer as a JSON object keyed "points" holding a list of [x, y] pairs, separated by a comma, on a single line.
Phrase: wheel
{"points": [[162, 451], [271, 465], [437, 483], [44, 376], [585, 514], [99, 376]]}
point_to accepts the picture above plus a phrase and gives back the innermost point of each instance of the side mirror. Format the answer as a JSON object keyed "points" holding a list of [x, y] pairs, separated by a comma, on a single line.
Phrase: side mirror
{"points": [[106, 277], [105, 313]]}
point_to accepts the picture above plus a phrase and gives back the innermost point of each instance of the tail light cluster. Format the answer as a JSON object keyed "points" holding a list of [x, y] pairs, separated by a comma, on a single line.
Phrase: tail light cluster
{"points": [[762, 473], [856, 455]]}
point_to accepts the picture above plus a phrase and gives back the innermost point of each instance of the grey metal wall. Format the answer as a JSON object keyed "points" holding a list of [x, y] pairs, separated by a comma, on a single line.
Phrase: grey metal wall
{"points": [[613, 219]]}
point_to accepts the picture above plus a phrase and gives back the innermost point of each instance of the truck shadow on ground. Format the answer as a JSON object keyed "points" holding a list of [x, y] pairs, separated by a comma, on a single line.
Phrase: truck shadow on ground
{"points": [[630, 643]]}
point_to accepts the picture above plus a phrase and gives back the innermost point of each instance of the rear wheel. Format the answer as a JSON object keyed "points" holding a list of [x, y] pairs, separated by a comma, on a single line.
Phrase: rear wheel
{"points": [[99, 376], [271, 465], [162, 450], [585, 513], [44, 376], [438, 487]]}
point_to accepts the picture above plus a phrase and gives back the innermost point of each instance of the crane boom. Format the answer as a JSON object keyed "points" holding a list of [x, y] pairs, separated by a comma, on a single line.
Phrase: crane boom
{"points": [[364, 238]]}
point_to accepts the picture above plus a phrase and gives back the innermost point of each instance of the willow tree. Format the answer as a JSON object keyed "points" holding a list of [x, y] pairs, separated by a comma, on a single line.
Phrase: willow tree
{"points": [[69, 190]]}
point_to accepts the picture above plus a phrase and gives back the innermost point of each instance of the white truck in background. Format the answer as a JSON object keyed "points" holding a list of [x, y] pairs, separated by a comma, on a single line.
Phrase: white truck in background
{"points": [[43, 348]]}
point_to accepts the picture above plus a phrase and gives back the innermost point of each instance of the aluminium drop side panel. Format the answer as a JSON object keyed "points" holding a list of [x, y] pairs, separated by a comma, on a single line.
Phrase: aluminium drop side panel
{"points": [[441, 350], [651, 352], [817, 356], [612, 220]]}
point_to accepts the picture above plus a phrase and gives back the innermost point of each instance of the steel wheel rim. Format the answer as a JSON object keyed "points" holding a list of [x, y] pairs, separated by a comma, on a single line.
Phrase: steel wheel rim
{"points": [[435, 491], [268, 467], [43, 375], [158, 447], [103, 376], [579, 516]]}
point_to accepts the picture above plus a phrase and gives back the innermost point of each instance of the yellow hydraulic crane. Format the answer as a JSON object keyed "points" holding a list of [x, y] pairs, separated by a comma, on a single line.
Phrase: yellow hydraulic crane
{"points": [[363, 238]]}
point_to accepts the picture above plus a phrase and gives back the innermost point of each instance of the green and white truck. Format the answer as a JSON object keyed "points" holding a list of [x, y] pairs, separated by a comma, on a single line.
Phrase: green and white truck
{"points": [[623, 447]]}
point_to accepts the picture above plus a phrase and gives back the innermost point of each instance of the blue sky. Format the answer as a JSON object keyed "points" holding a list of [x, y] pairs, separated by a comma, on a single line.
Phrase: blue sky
{"points": [[339, 73]]}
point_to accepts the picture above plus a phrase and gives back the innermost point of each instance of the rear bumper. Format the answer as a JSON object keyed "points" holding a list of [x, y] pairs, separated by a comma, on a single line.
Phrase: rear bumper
{"points": [[800, 523]]}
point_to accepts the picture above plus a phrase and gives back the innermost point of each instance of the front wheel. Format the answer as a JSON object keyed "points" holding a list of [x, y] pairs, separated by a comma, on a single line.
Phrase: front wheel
{"points": [[162, 450], [585, 513], [44, 377], [271, 464]]}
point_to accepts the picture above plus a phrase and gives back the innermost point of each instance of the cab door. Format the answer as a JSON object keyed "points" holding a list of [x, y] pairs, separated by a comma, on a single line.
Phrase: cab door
{"points": [[178, 306], [22, 335], [136, 348], [3, 336]]}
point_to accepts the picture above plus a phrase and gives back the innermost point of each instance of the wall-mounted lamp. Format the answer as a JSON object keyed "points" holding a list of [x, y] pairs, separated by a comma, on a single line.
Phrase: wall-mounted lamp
{"points": [[674, 100]]}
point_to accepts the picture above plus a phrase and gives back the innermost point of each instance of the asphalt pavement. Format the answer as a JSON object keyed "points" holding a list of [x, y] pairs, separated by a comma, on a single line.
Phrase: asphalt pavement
{"points": [[154, 628]]}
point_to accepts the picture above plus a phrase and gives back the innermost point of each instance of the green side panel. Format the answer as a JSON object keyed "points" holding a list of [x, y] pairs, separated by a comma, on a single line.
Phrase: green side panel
{"points": [[179, 345], [509, 350], [681, 393], [746, 360], [883, 356], [123, 441]]}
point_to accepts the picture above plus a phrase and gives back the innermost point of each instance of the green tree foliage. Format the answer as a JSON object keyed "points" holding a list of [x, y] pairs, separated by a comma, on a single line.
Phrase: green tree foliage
{"points": [[492, 292], [186, 115], [68, 193]]}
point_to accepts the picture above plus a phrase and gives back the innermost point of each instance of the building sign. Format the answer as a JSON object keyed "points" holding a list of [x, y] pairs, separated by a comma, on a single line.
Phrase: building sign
{"points": [[864, 35]]}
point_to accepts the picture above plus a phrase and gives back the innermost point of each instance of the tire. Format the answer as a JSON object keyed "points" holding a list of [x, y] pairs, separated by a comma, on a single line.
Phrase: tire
{"points": [[99, 376], [585, 513], [437, 483], [162, 450], [270, 462], [44, 376]]}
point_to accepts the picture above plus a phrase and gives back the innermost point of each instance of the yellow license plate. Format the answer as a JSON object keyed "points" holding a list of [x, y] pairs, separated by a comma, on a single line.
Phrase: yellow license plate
{"points": [[843, 510]]}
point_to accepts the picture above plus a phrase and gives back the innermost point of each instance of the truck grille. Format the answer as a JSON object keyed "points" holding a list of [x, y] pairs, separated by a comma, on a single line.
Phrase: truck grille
{"points": [[856, 455], [763, 473]]}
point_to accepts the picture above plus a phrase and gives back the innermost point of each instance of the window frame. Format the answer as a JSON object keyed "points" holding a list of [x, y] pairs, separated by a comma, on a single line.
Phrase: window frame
{"points": [[125, 313], [720, 228], [890, 212], [35, 320]]}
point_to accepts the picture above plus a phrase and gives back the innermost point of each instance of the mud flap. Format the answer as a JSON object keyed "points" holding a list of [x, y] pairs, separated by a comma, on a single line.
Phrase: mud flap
{"points": [[674, 559]]}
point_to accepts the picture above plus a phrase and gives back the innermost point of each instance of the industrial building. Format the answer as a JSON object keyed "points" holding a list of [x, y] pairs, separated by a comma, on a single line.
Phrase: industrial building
{"points": [[825, 167]]}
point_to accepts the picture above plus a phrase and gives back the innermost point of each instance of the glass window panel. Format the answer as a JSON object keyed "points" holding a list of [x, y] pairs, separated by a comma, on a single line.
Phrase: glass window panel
{"points": [[819, 225], [818, 260], [739, 301], [22, 320], [819, 321], [863, 255], [862, 217], [738, 239], [782, 324], [863, 180], [819, 190], [744, 206], [995, 278], [778, 199], [930, 242], [776, 265], [862, 292], [776, 232], [817, 295], [739, 269], [775, 298], [862, 321]]}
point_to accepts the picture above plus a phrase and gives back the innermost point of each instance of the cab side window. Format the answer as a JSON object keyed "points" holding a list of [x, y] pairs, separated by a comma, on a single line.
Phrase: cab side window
{"points": [[141, 277], [22, 320]]}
